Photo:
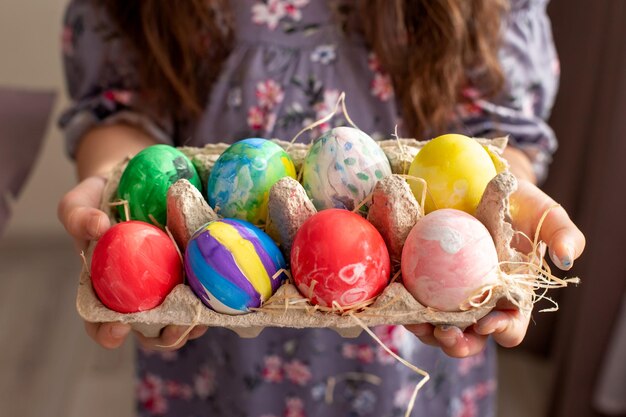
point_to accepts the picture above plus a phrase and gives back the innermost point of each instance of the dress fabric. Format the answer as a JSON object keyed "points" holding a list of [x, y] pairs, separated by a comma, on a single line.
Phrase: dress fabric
{"points": [[290, 62]]}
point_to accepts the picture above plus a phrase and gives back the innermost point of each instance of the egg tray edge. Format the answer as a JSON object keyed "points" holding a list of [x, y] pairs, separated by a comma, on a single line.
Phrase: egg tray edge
{"points": [[182, 307]]}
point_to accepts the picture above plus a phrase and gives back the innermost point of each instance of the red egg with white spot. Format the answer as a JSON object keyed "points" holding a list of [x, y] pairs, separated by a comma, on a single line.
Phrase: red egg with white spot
{"points": [[134, 266], [338, 256], [448, 257]]}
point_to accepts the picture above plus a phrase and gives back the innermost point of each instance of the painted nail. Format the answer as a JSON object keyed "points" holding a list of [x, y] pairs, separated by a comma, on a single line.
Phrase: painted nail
{"points": [[567, 261], [450, 335]]}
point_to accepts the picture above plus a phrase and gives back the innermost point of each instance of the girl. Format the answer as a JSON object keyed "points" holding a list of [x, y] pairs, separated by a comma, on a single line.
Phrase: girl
{"points": [[204, 71]]}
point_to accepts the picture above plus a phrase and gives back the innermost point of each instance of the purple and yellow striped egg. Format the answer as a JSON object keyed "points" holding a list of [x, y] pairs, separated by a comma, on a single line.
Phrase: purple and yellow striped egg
{"points": [[232, 266]]}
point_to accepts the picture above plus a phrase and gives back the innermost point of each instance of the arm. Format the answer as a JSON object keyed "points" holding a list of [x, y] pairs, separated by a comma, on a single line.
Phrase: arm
{"points": [[99, 150], [107, 121]]}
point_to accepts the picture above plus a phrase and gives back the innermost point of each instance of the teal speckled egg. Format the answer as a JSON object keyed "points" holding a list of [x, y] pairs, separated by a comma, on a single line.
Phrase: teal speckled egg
{"points": [[342, 168], [241, 179], [147, 178]]}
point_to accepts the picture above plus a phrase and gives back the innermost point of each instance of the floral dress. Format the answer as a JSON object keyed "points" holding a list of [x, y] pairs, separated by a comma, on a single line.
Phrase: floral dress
{"points": [[290, 62]]}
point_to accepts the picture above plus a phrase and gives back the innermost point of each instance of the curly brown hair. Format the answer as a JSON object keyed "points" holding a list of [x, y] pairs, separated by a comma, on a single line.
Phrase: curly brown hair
{"points": [[431, 49]]}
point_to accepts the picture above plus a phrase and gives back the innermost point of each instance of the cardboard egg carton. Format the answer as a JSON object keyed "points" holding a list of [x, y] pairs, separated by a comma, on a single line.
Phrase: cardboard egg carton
{"points": [[393, 212]]}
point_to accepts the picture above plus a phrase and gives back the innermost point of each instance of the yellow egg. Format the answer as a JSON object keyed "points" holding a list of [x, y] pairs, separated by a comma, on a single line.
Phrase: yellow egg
{"points": [[456, 169]]}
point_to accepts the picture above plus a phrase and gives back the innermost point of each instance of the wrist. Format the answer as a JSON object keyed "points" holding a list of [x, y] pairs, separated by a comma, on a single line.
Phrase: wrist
{"points": [[105, 146], [520, 164]]}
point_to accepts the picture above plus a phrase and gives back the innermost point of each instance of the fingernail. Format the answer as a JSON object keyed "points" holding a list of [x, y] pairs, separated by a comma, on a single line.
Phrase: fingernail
{"points": [[450, 335], [481, 328], [566, 261], [118, 331]]}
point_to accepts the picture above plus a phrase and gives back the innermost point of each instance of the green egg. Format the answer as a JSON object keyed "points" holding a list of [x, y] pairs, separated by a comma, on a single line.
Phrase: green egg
{"points": [[147, 178]]}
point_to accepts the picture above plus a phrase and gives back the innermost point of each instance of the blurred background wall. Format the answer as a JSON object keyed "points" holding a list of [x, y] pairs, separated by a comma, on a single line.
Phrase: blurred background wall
{"points": [[30, 60], [565, 352]]}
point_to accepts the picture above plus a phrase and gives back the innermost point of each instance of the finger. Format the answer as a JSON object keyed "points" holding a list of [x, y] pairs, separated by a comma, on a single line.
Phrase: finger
{"points": [[170, 339], [108, 335], [78, 210], [424, 333], [197, 332], [458, 344], [565, 240], [508, 328]]}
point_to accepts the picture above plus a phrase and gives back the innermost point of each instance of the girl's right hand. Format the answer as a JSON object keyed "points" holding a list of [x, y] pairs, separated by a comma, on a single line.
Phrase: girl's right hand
{"points": [[80, 214]]}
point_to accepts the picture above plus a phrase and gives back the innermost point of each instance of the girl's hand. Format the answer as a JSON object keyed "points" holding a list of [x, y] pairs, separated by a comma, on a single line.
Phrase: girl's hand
{"points": [[113, 335], [79, 213], [505, 323]]}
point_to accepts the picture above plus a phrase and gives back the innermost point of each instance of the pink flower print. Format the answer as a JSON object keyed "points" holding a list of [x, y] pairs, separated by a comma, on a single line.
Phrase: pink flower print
{"points": [[256, 118], [204, 382], [382, 87], [293, 12], [270, 121], [365, 354], [470, 93], [269, 13], [292, 8], [323, 109], [175, 389], [118, 96], [150, 392], [297, 372], [67, 41], [470, 362], [391, 336], [294, 407], [465, 406], [269, 93], [469, 107], [272, 369], [402, 397], [483, 389], [349, 350], [480, 390], [373, 62], [468, 407]]}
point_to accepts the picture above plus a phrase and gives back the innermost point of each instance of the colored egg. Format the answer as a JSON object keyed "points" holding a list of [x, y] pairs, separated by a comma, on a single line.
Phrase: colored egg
{"points": [[456, 169], [338, 256], [448, 257], [342, 167], [241, 179], [147, 178], [232, 266], [134, 266]]}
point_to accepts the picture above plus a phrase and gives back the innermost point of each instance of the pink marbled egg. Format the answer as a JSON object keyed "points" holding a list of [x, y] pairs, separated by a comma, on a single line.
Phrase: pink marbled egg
{"points": [[448, 256]]}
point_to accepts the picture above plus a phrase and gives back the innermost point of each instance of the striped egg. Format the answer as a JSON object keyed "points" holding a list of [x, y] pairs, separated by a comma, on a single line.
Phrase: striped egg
{"points": [[231, 266]]}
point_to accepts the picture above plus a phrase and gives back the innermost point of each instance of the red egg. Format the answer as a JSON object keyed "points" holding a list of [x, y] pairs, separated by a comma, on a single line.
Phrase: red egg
{"points": [[448, 257], [134, 266], [339, 256]]}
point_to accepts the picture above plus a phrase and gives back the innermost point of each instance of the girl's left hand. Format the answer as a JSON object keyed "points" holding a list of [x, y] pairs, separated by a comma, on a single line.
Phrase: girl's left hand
{"points": [[506, 323]]}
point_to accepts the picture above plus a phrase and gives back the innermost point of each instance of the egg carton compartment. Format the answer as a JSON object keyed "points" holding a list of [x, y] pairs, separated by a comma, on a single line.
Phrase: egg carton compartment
{"points": [[287, 308]]}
